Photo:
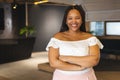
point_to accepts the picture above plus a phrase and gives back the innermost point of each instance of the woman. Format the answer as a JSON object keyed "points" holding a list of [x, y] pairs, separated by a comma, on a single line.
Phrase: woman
{"points": [[72, 51]]}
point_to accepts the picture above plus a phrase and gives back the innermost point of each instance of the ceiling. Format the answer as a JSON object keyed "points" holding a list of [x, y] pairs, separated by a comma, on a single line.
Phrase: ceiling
{"points": [[101, 5], [89, 5]]}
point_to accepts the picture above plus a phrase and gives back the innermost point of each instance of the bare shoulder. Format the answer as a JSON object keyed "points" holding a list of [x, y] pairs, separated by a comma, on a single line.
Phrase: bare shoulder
{"points": [[58, 35], [87, 35]]}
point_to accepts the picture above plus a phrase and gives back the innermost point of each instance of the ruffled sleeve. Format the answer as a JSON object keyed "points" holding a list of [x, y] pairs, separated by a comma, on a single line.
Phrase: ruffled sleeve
{"points": [[93, 41], [52, 43]]}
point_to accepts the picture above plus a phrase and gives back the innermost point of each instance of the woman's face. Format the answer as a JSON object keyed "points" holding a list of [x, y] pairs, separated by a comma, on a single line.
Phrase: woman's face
{"points": [[74, 20]]}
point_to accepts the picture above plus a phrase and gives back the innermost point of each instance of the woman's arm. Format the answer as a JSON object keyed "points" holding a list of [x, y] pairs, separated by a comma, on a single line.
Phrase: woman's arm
{"points": [[85, 61], [55, 62]]}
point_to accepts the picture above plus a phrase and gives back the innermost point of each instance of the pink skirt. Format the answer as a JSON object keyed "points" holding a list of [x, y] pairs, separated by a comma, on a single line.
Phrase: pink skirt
{"points": [[89, 75]]}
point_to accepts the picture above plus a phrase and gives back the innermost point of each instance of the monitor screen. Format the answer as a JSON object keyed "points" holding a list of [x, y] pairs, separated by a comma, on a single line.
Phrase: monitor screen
{"points": [[112, 28], [1, 18]]}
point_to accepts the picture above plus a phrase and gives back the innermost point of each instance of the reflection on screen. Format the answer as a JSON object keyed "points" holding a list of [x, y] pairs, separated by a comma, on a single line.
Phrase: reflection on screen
{"points": [[113, 28]]}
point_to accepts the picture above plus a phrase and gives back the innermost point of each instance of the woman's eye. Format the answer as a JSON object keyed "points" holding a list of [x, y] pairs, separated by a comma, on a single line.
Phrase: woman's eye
{"points": [[77, 17], [69, 18], [73, 18]]}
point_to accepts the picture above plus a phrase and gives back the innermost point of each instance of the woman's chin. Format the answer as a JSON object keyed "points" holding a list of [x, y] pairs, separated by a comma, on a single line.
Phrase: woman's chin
{"points": [[75, 29]]}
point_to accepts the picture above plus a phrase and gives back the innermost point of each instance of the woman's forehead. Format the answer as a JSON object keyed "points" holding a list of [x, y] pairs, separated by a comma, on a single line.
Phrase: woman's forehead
{"points": [[73, 11]]}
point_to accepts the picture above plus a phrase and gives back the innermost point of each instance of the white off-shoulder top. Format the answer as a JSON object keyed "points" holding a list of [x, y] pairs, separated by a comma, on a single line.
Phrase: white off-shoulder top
{"points": [[74, 48]]}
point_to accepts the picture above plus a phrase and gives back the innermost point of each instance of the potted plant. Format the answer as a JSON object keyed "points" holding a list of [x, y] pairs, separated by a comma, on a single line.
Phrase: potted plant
{"points": [[26, 42], [27, 31]]}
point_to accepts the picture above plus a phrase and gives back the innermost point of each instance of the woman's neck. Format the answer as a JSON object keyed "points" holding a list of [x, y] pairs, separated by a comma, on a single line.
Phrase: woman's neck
{"points": [[74, 32]]}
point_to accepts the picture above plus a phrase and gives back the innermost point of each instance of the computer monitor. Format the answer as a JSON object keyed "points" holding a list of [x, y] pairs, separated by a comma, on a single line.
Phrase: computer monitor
{"points": [[112, 28], [2, 19]]}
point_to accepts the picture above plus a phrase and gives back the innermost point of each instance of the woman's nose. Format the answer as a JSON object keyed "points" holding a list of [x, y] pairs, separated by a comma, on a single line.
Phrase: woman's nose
{"points": [[74, 20]]}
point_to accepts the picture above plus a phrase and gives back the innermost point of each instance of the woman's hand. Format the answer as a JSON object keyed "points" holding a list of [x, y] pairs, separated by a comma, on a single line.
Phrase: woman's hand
{"points": [[63, 58], [67, 59], [56, 63]]}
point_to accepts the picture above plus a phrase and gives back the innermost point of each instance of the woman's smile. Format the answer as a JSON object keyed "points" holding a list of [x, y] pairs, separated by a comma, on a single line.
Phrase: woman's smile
{"points": [[74, 20]]}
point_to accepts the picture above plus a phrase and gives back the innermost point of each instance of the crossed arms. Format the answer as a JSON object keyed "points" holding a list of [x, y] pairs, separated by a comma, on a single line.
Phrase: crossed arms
{"points": [[73, 62]]}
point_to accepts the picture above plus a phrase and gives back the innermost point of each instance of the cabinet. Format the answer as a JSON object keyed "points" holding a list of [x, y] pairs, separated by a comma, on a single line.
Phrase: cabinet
{"points": [[15, 49]]}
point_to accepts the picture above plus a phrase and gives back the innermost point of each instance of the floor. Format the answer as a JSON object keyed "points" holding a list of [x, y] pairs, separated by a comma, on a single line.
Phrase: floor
{"points": [[27, 70]]}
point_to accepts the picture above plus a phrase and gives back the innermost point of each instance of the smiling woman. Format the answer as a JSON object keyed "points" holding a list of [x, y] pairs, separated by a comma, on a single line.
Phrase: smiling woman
{"points": [[73, 52]]}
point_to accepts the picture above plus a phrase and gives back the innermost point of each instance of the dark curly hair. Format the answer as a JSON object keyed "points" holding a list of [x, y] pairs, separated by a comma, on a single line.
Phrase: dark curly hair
{"points": [[64, 26]]}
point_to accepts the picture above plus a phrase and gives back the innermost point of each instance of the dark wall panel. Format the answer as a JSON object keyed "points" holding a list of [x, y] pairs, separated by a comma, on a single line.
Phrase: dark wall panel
{"points": [[18, 18], [47, 19]]}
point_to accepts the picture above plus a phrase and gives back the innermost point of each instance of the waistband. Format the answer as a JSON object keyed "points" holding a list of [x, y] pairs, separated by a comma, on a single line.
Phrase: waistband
{"points": [[73, 72]]}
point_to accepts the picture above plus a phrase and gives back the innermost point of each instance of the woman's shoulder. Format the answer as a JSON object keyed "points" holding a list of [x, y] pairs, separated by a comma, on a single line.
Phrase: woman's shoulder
{"points": [[58, 35], [62, 36], [87, 35]]}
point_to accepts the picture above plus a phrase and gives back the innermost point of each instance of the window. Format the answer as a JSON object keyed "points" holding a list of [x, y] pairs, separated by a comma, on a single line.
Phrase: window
{"points": [[97, 28]]}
